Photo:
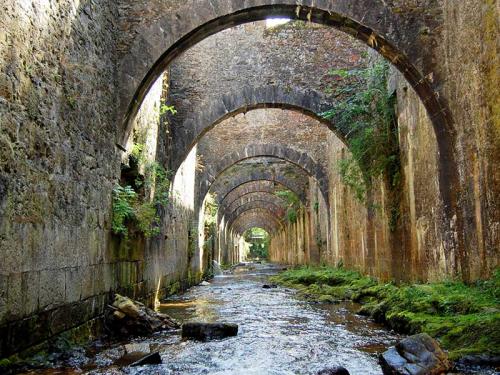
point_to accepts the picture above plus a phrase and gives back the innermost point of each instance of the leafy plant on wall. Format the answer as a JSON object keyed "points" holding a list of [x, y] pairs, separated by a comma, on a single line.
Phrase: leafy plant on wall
{"points": [[367, 113], [293, 204], [130, 207]]}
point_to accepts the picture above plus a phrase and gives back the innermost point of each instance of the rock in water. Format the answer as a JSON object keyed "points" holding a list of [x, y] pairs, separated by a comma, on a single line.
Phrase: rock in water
{"points": [[415, 355], [269, 286], [208, 331], [334, 371], [127, 317], [150, 359]]}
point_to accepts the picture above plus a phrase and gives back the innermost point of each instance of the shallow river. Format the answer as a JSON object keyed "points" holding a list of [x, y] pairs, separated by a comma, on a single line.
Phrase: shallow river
{"points": [[278, 333]]}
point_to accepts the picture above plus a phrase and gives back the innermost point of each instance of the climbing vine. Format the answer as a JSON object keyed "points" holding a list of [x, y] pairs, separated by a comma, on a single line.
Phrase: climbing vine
{"points": [[368, 112], [293, 203]]}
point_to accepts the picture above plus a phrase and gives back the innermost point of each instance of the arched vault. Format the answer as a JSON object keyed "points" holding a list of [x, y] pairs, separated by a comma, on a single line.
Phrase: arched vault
{"points": [[300, 159], [151, 43]]}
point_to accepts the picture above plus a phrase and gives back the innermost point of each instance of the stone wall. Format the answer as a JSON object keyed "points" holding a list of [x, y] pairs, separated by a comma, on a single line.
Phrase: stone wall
{"points": [[58, 164], [58, 167]]}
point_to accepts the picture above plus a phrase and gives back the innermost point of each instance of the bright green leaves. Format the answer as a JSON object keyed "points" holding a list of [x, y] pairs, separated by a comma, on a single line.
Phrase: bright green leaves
{"points": [[124, 200], [128, 207]]}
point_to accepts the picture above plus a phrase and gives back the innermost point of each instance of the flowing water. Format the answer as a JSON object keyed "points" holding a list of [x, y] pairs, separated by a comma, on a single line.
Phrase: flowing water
{"points": [[278, 333]]}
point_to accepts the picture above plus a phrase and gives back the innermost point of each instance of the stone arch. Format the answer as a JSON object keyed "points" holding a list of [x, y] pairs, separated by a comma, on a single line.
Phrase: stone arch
{"points": [[259, 186], [282, 180], [253, 215], [251, 197], [252, 223], [276, 210], [217, 109], [154, 42], [300, 159]]}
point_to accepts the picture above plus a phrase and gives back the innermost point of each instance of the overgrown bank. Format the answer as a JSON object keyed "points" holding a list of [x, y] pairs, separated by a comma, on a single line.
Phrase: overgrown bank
{"points": [[464, 318]]}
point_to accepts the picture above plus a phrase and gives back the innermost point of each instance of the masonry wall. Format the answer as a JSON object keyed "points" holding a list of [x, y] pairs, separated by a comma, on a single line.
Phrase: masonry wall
{"points": [[58, 163], [58, 167]]}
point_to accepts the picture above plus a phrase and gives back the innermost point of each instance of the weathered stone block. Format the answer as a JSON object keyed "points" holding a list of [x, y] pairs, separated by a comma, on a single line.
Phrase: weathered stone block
{"points": [[74, 282], [52, 288]]}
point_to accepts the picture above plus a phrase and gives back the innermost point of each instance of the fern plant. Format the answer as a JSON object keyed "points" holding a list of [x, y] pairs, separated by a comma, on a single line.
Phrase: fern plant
{"points": [[128, 207], [124, 200]]}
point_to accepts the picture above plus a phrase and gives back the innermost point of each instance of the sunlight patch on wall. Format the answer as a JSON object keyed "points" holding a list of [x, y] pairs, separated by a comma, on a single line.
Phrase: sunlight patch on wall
{"points": [[273, 22]]}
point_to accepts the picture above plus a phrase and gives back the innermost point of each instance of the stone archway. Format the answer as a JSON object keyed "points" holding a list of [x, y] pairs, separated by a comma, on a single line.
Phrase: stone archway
{"points": [[224, 191], [251, 187], [217, 109], [288, 154], [255, 215], [274, 209], [251, 197], [149, 46]]}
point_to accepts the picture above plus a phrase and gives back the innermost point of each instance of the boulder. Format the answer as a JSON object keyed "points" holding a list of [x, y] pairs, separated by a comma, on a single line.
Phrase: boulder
{"points": [[127, 317], [204, 283], [415, 355], [269, 286], [334, 371], [208, 331]]}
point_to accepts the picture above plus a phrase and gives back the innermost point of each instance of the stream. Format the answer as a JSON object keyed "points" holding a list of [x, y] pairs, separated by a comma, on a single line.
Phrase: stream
{"points": [[279, 333]]}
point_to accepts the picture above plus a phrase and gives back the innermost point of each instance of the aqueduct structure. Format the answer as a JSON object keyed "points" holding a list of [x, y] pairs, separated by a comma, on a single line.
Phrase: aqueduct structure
{"points": [[229, 114]]}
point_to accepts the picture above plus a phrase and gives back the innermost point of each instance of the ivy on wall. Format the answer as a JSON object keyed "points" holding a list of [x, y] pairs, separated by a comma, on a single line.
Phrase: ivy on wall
{"points": [[293, 203], [368, 112]]}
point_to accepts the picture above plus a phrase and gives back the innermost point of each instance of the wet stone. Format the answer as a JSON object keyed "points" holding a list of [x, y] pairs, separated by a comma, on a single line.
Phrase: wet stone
{"points": [[269, 286], [150, 359], [415, 355], [208, 331], [334, 371]]}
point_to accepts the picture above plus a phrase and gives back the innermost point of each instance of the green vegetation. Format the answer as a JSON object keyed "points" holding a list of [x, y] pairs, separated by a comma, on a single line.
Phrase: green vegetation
{"points": [[259, 240], [293, 202], [366, 111], [211, 209], [464, 318], [130, 207], [164, 108]]}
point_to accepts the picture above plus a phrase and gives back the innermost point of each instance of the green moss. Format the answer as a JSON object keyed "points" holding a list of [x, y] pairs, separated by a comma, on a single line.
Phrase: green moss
{"points": [[464, 318], [174, 288]]}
